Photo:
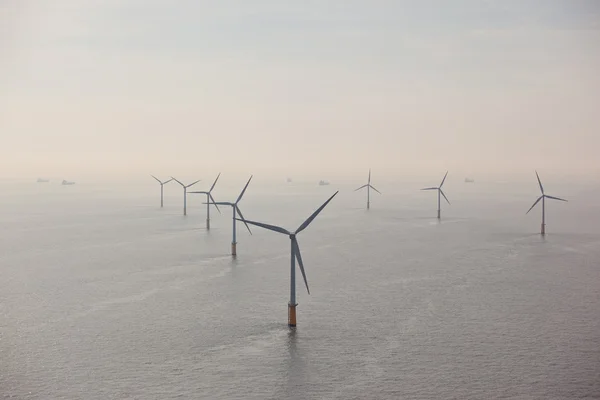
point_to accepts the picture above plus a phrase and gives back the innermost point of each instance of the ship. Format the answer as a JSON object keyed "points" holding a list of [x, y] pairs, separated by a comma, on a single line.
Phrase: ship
{"points": [[289, 180], [469, 180], [64, 182], [323, 183], [41, 180]]}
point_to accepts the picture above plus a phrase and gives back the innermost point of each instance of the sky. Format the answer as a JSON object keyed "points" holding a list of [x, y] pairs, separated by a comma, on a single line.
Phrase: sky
{"points": [[308, 89]]}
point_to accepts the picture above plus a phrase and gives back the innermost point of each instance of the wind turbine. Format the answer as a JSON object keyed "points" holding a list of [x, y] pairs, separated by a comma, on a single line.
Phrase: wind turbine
{"points": [[368, 186], [161, 188], [543, 198], [209, 198], [295, 254], [185, 188], [236, 209], [440, 192]]}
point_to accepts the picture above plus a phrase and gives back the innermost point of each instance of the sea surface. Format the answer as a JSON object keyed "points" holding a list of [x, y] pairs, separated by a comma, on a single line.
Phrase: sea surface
{"points": [[104, 295]]}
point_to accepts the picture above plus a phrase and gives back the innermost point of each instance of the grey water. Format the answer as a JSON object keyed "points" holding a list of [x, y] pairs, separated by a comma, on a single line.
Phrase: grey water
{"points": [[104, 295]]}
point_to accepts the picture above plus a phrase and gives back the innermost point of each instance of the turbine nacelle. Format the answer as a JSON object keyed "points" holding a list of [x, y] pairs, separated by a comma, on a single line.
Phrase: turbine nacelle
{"points": [[161, 182], [185, 186]]}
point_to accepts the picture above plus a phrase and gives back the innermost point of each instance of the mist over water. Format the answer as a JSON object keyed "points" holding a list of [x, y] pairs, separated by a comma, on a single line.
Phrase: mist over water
{"points": [[105, 295]]}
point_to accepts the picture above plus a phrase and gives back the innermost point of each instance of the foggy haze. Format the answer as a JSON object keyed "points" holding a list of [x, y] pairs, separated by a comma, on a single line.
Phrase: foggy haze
{"points": [[312, 90]]}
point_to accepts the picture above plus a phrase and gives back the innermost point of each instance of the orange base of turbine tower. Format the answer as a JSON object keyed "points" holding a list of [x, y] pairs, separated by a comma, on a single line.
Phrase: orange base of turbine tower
{"points": [[292, 315], [543, 229], [233, 249]]}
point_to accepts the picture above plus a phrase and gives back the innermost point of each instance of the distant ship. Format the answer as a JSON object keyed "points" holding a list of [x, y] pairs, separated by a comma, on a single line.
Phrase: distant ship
{"points": [[289, 180], [67, 182], [40, 180], [469, 180], [323, 183]]}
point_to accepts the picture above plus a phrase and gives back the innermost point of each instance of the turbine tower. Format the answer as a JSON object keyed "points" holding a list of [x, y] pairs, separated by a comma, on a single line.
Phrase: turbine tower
{"points": [[209, 199], [368, 186], [295, 255], [440, 192], [161, 188], [236, 210], [185, 188], [543, 198]]}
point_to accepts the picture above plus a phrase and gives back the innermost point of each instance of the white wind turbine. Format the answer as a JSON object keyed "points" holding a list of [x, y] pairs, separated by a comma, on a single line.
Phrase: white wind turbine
{"points": [[236, 210], [440, 192], [295, 255], [185, 188], [543, 198], [368, 186], [161, 188], [209, 199]]}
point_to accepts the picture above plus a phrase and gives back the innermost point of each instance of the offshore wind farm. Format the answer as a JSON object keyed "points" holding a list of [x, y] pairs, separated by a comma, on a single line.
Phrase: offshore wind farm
{"points": [[308, 257], [134, 274]]}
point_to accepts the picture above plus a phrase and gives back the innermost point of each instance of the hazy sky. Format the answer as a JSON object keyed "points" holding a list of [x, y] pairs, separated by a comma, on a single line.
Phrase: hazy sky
{"points": [[320, 89]]}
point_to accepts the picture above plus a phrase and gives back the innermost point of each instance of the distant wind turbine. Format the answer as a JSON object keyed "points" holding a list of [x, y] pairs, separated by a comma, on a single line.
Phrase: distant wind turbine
{"points": [[185, 188], [295, 254], [209, 199], [236, 210], [440, 192], [368, 186], [543, 198], [161, 188]]}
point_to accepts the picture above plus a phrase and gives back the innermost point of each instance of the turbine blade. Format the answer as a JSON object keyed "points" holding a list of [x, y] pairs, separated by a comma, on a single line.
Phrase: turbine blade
{"points": [[443, 180], [176, 180], [442, 192], [374, 189], [314, 215], [267, 226], [540, 182], [214, 202], [244, 190], [430, 188], [363, 186], [555, 198], [300, 263], [192, 184], [167, 181], [369, 176], [214, 183], [220, 203], [537, 201], [243, 219], [158, 180], [197, 192]]}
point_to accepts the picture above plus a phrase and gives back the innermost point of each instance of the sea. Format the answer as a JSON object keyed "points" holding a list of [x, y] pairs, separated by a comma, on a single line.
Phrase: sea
{"points": [[106, 295]]}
